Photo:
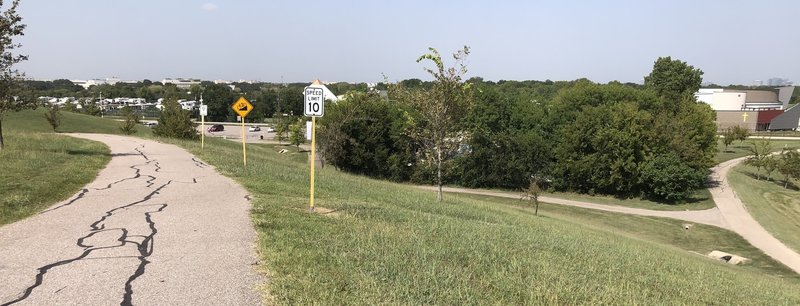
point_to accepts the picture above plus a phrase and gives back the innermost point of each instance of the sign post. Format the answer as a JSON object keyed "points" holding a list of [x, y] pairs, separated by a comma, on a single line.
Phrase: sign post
{"points": [[203, 114], [243, 107], [314, 107]]}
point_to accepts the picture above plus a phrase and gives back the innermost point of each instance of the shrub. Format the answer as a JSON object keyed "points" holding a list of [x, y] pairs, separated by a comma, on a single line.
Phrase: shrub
{"points": [[667, 177], [174, 122]]}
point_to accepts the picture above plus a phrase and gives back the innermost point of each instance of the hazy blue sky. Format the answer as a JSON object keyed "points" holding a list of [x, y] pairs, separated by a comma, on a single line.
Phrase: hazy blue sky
{"points": [[731, 41]]}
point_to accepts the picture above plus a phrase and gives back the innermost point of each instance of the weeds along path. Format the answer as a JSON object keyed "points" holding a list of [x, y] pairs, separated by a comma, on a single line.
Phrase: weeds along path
{"points": [[729, 214], [156, 227]]}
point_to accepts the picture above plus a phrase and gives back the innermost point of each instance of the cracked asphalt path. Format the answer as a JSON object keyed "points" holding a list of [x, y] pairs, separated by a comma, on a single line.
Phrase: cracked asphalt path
{"points": [[156, 227]]}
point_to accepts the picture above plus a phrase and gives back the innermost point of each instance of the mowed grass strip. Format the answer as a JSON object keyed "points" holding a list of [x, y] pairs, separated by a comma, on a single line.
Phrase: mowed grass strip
{"points": [[740, 148], [699, 238], [38, 170], [387, 243], [34, 121], [775, 208]]}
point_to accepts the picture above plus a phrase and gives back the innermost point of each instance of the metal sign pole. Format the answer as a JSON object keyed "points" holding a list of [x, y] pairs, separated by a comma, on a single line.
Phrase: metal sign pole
{"points": [[244, 145], [313, 158]]}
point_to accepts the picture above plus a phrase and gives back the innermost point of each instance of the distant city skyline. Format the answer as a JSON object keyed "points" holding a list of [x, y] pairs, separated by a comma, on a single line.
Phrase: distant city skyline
{"points": [[361, 42]]}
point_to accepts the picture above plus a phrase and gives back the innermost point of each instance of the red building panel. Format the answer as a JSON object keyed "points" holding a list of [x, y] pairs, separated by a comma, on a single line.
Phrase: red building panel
{"points": [[767, 115]]}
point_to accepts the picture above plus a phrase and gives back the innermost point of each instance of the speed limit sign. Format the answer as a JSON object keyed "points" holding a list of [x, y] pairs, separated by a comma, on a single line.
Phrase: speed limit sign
{"points": [[314, 102]]}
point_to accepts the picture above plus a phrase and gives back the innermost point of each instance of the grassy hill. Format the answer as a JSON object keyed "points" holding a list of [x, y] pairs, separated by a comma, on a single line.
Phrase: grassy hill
{"points": [[385, 243], [40, 168]]}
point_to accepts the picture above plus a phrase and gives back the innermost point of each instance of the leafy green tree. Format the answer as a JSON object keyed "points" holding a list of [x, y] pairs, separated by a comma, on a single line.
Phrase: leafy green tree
{"points": [[439, 108], [296, 135], [741, 134], [728, 137], [219, 98], [365, 135], [291, 100], [175, 122], [601, 150], [759, 150], [505, 142], [667, 177], [770, 164], [70, 107], [789, 166], [11, 97], [90, 107], [53, 116], [128, 127], [281, 127], [673, 79]]}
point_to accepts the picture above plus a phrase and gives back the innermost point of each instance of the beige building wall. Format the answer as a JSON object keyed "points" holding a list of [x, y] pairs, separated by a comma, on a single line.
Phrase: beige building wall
{"points": [[761, 96], [726, 119]]}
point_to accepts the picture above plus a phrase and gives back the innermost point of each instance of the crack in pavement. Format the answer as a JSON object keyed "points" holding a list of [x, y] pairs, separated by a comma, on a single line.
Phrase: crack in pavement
{"points": [[144, 248], [137, 174], [199, 163], [101, 247], [80, 196]]}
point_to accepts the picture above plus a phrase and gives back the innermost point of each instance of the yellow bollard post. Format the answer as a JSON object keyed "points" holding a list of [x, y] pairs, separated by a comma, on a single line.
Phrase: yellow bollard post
{"points": [[244, 146], [313, 159]]}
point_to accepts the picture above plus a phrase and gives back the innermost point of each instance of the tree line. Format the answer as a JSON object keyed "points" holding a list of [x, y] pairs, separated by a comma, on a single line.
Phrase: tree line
{"points": [[618, 139]]}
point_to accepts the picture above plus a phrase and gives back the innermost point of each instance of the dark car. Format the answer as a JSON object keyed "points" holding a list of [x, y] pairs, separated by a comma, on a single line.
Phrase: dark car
{"points": [[216, 128]]}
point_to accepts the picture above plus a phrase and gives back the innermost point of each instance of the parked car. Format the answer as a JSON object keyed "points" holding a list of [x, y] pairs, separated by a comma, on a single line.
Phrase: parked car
{"points": [[254, 129], [216, 128], [270, 130]]}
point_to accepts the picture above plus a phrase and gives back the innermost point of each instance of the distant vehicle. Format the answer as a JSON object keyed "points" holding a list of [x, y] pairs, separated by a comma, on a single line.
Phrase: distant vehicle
{"points": [[270, 130], [254, 129], [216, 128], [151, 123]]}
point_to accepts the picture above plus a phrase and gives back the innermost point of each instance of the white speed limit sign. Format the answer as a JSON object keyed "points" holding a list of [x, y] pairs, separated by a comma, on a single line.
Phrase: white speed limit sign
{"points": [[314, 105]]}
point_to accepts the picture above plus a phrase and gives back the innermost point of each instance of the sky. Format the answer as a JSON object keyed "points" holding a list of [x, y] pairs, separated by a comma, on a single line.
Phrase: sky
{"points": [[733, 42]]}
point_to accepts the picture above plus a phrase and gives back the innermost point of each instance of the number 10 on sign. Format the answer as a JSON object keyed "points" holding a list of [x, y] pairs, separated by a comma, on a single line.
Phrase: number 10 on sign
{"points": [[314, 104]]}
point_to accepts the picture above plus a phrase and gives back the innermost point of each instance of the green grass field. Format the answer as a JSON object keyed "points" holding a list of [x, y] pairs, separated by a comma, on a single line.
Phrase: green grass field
{"points": [[776, 208], [40, 168], [386, 243], [739, 149], [33, 121]]}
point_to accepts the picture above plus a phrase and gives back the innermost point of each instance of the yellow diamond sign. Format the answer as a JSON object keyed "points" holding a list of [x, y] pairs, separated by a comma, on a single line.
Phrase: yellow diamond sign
{"points": [[242, 107]]}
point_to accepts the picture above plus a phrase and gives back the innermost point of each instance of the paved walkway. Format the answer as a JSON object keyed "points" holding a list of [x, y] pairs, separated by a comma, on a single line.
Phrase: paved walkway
{"points": [[156, 227], [742, 223], [729, 214]]}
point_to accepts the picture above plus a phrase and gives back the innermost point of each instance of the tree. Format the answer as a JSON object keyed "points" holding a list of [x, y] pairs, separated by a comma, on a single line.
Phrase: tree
{"points": [[11, 97], [175, 122], [789, 166], [741, 134], [532, 194], [770, 163], [281, 127], [128, 126], [439, 108], [89, 107], [673, 79], [219, 98], [760, 150], [296, 136], [667, 177], [53, 116], [365, 135], [728, 137]]}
